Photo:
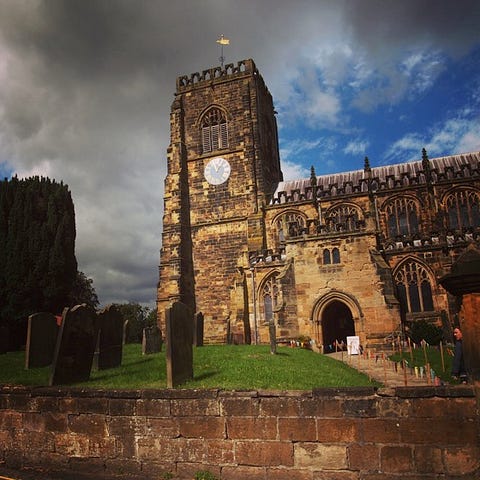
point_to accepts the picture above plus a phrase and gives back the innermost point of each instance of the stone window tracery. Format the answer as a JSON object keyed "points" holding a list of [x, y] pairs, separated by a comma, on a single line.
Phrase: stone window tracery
{"points": [[270, 296], [289, 225], [463, 209], [414, 287], [344, 217], [214, 130], [402, 217]]}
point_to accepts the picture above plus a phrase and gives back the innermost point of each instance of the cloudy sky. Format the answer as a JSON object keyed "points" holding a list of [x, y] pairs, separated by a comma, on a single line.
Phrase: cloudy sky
{"points": [[86, 88]]}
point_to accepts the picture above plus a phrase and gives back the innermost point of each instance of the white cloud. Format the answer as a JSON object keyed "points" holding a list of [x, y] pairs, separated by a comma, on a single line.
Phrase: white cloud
{"points": [[292, 171], [356, 147], [455, 135], [422, 69]]}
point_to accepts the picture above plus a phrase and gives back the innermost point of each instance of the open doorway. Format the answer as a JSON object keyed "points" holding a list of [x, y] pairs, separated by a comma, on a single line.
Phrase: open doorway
{"points": [[337, 325]]}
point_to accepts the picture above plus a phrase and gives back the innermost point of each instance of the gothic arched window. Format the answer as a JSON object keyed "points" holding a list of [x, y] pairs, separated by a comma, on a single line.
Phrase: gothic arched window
{"points": [[463, 209], [402, 217], [269, 297], [327, 259], [344, 217], [332, 256], [214, 130], [413, 287], [289, 225]]}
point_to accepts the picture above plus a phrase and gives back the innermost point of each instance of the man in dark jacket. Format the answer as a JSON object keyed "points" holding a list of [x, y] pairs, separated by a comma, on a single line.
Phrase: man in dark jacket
{"points": [[458, 366]]}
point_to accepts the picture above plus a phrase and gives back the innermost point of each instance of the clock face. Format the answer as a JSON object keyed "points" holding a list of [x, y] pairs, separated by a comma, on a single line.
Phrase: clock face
{"points": [[217, 171]]}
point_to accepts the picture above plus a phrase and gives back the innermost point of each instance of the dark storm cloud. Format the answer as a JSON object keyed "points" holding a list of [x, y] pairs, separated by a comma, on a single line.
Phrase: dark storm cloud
{"points": [[86, 86], [382, 24]]}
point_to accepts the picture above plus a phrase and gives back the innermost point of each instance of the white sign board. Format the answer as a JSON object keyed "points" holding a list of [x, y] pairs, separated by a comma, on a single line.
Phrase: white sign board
{"points": [[353, 345]]}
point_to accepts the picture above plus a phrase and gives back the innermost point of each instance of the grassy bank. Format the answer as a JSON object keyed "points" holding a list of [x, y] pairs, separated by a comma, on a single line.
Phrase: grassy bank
{"points": [[220, 366]]}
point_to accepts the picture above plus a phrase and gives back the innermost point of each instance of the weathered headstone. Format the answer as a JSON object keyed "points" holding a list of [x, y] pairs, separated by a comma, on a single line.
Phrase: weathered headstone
{"points": [[272, 332], [125, 332], [151, 340], [42, 334], [179, 340], [4, 338], [110, 343], [198, 330], [75, 346]]}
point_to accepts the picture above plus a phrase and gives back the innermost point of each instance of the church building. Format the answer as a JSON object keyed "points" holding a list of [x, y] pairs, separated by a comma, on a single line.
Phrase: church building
{"points": [[325, 257]]}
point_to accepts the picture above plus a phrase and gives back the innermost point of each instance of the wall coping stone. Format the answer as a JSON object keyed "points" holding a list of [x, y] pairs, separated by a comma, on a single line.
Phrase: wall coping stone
{"points": [[445, 391]]}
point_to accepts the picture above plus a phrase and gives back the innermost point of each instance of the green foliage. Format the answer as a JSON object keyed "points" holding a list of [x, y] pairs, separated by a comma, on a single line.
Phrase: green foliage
{"points": [[204, 475], [138, 318], [38, 267], [431, 355], [83, 291], [166, 476], [423, 330]]}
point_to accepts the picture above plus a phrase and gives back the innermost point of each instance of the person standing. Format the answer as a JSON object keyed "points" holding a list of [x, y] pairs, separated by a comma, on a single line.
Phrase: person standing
{"points": [[458, 366]]}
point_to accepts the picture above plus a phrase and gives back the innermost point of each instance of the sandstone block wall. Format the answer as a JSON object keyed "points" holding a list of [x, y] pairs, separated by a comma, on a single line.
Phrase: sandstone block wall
{"points": [[335, 434]]}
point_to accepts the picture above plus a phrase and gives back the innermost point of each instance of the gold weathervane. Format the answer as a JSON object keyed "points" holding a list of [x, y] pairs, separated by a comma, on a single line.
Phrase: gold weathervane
{"points": [[222, 41]]}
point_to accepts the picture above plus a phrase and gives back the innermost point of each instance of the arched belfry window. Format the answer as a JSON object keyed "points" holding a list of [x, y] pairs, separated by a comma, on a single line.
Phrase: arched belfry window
{"points": [[269, 298], [214, 130], [463, 209], [414, 289], [402, 216]]}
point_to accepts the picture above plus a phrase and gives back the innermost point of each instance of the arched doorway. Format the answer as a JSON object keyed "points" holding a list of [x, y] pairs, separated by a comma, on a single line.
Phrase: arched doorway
{"points": [[337, 324]]}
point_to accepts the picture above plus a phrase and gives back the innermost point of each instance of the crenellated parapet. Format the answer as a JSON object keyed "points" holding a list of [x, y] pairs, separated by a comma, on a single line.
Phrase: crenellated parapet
{"points": [[216, 74], [267, 257], [381, 179], [444, 240]]}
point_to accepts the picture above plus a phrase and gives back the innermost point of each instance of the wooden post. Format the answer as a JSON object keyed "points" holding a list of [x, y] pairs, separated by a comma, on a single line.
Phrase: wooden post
{"points": [[441, 355]]}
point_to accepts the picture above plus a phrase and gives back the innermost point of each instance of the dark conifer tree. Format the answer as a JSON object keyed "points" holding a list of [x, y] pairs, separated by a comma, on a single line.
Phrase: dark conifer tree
{"points": [[38, 268]]}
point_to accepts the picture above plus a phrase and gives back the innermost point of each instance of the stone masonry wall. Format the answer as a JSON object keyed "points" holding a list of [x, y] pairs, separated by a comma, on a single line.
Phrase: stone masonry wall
{"points": [[334, 434]]}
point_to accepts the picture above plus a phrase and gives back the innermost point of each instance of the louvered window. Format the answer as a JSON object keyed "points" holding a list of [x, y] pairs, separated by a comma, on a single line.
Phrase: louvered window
{"points": [[214, 131]]}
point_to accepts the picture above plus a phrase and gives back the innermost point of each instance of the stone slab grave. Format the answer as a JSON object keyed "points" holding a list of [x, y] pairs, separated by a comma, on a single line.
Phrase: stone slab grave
{"points": [[110, 341], [198, 330], [4, 338], [151, 340], [75, 346], [42, 332], [179, 341]]}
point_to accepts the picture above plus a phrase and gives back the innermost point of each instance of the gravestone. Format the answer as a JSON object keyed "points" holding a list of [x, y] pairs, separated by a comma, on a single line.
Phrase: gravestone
{"points": [[75, 346], [151, 340], [179, 335], [42, 334], [198, 330], [125, 332], [110, 342], [4, 338], [272, 332]]}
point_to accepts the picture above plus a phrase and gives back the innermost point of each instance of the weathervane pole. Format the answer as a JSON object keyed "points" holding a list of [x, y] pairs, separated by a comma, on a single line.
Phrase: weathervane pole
{"points": [[222, 41]]}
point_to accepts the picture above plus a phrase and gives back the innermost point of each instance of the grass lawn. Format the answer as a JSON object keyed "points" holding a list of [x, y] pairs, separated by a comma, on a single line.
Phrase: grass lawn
{"points": [[228, 367]]}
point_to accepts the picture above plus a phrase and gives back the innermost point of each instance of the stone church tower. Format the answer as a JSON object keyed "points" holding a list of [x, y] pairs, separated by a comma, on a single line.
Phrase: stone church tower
{"points": [[223, 166], [355, 253]]}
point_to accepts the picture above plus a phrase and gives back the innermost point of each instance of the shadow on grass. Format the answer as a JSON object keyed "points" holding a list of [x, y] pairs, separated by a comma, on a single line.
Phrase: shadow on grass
{"points": [[205, 375]]}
